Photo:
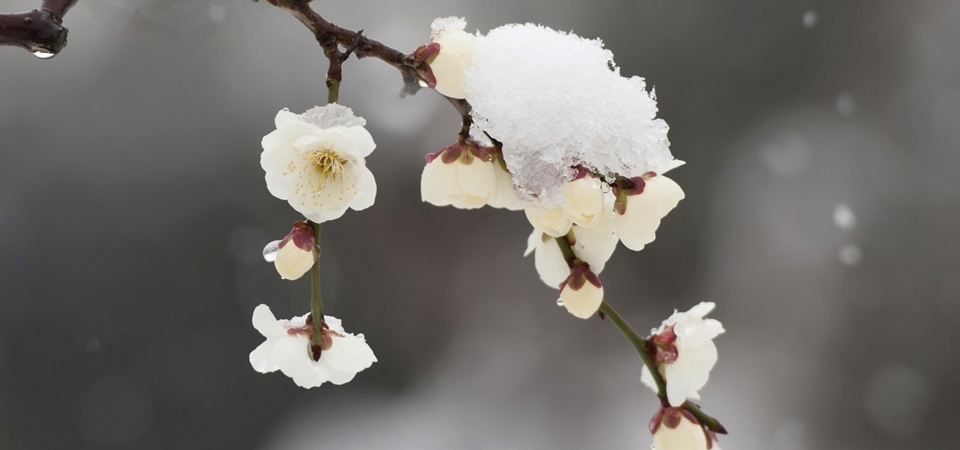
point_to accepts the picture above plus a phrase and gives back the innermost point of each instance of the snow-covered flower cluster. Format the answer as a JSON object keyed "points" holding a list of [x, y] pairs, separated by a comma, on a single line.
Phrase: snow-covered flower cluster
{"points": [[685, 352], [573, 143], [678, 429], [315, 161], [288, 349]]}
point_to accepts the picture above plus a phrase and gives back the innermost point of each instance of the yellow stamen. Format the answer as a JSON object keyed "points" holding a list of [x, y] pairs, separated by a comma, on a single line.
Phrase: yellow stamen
{"points": [[328, 163]]}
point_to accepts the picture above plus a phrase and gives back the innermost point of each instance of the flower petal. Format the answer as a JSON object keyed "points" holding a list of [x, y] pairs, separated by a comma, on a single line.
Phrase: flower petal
{"points": [[550, 263], [266, 323], [437, 181]]}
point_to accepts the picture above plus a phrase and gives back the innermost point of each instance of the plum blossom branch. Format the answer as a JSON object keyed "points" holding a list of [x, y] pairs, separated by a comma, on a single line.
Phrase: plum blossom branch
{"points": [[40, 31], [330, 36], [642, 345]]}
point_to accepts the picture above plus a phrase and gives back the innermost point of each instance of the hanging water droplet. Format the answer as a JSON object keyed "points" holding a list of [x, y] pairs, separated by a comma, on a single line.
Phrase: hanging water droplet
{"points": [[422, 83], [43, 54], [843, 217], [559, 302], [271, 250]]}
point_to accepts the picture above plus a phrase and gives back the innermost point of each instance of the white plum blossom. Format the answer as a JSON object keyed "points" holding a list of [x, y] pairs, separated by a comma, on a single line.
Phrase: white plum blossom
{"points": [[642, 202], [448, 55], [506, 196], [678, 429], [581, 292], [288, 350], [551, 221], [583, 200], [297, 252], [685, 352], [315, 161], [462, 175], [594, 246]]}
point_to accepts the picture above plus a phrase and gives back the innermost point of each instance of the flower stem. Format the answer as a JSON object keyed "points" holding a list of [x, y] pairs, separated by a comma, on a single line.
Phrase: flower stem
{"points": [[316, 302], [705, 420], [639, 343]]}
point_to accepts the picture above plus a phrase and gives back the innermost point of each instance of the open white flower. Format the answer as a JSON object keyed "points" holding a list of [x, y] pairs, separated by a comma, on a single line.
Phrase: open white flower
{"points": [[685, 352], [459, 176], [677, 429], [451, 59], [287, 349], [641, 206], [315, 161]]}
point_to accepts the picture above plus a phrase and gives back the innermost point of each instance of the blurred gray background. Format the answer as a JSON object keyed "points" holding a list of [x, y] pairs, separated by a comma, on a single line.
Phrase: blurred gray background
{"points": [[822, 206]]}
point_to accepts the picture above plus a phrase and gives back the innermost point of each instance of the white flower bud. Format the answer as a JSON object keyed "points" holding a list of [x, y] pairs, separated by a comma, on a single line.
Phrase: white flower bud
{"points": [[638, 214], [677, 429], [582, 292], [451, 61], [505, 197], [297, 253], [450, 180], [583, 200], [552, 221]]}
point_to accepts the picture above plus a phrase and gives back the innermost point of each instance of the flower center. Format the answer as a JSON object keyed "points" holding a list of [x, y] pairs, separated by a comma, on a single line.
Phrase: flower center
{"points": [[328, 163]]}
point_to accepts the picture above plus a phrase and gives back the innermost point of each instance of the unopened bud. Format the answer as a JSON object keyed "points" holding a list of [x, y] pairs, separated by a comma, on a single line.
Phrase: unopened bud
{"points": [[298, 252], [582, 292]]}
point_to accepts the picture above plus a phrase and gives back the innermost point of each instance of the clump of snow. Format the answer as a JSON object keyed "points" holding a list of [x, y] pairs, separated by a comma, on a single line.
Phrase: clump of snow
{"points": [[333, 115], [556, 100]]}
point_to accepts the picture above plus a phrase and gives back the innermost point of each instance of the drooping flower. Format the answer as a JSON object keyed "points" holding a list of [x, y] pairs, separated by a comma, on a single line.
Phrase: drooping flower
{"points": [[583, 199], [641, 203], [297, 252], [448, 55], [506, 196], [315, 161], [678, 429], [581, 292], [594, 246], [288, 350], [685, 352], [462, 174], [551, 221]]}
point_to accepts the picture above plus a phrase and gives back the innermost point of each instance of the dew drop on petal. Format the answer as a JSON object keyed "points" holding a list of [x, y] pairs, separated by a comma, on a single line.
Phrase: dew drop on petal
{"points": [[559, 302], [43, 54], [843, 216], [850, 255], [810, 19], [271, 250], [422, 83]]}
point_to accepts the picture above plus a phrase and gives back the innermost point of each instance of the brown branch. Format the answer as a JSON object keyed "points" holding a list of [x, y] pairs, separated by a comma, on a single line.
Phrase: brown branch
{"points": [[329, 36], [40, 31]]}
